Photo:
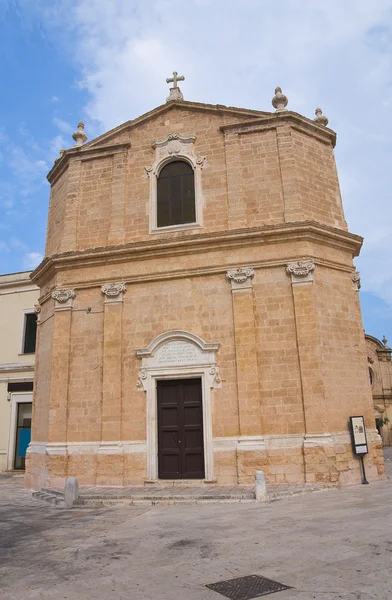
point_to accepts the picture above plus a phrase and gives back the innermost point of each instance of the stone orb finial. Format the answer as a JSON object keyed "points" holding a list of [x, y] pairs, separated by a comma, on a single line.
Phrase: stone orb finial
{"points": [[384, 341], [79, 136], [320, 118], [279, 101]]}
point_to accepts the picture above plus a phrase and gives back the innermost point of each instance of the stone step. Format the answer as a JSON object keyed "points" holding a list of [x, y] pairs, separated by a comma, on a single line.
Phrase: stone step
{"points": [[49, 498], [165, 501]]}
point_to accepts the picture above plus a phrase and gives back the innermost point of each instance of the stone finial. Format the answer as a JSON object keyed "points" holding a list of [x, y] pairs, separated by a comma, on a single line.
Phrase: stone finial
{"points": [[79, 136], [175, 92], [320, 119], [384, 341], [279, 101], [61, 154]]}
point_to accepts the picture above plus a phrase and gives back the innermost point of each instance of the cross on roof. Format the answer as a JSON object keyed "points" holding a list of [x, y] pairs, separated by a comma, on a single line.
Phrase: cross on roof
{"points": [[175, 78]]}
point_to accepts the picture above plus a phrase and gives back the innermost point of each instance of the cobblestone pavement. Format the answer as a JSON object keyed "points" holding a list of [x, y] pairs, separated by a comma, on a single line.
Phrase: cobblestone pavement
{"points": [[326, 545]]}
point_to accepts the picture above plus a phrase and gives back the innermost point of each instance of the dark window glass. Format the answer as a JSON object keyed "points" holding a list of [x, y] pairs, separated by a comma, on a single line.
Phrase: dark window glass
{"points": [[30, 333], [20, 386], [176, 195]]}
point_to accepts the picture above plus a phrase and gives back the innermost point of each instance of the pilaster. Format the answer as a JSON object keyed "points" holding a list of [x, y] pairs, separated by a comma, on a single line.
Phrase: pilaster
{"points": [[236, 203], [110, 453], [116, 232], [293, 210], [246, 351], [59, 377], [68, 241], [308, 340], [112, 358]]}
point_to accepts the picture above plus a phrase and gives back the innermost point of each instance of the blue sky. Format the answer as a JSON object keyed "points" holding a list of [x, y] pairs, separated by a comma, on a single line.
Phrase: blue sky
{"points": [[106, 62]]}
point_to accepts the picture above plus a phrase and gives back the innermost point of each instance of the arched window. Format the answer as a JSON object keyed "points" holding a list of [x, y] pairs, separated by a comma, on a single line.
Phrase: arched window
{"points": [[176, 194], [371, 376]]}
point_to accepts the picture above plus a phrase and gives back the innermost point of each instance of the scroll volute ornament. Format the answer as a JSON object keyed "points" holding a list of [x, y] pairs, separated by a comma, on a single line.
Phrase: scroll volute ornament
{"points": [[113, 292], [240, 278], [301, 271]]}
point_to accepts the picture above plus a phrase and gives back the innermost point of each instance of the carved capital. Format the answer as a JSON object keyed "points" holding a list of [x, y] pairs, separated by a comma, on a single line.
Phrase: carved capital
{"points": [[113, 292], [240, 278], [301, 271], [356, 279], [63, 298]]}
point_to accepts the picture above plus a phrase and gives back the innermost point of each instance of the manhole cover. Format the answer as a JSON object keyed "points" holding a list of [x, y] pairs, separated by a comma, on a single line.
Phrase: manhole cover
{"points": [[246, 588]]}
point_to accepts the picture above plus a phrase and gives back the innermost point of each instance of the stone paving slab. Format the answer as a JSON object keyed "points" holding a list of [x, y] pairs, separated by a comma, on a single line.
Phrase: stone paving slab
{"points": [[327, 546]]}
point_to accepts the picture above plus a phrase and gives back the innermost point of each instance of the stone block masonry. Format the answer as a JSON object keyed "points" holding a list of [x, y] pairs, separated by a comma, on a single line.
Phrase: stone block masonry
{"points": [[255, 300]]}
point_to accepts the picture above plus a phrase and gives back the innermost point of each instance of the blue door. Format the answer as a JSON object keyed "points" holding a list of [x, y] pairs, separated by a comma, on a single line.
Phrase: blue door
{"points": [[23, 434]]}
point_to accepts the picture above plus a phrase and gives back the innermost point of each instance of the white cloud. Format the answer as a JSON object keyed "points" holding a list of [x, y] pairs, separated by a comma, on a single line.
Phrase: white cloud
{"points": [[321, 52], [32, 260], [63, 126], [55, 99]]}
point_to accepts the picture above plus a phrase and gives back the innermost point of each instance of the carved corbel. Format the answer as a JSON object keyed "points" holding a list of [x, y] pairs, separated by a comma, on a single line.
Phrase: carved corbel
{"points": [[142, 380], [37, 310], [356, 279]]}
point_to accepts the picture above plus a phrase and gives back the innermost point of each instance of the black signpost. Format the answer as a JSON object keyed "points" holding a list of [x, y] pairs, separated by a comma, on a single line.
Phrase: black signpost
{"points": [[359, 441]]}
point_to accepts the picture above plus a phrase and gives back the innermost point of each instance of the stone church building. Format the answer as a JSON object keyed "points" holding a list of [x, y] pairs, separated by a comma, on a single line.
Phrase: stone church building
{"points": [[198, 313]]}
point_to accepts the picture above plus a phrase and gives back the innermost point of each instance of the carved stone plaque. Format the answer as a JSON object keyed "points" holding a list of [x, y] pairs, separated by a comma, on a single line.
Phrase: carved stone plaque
{"points": [[177, 353]]}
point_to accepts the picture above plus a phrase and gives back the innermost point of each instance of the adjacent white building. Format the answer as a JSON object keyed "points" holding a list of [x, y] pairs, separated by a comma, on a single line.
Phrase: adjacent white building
{"points": [[17, 354]]}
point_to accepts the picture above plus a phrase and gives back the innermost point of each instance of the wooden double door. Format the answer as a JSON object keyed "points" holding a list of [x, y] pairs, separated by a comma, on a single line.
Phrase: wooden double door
{"points": [[180, 429]]}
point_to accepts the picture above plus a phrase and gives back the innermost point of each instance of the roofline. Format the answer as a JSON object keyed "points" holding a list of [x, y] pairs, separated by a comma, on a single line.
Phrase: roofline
{"points": [[376, 341], [183, 104]]}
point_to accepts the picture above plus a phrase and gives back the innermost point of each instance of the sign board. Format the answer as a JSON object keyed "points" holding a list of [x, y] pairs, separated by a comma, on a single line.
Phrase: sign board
{"points": [[358, 435]]}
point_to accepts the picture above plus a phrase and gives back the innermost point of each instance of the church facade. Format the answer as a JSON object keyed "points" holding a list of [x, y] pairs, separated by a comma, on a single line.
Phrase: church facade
{"points": [[198, 314]]}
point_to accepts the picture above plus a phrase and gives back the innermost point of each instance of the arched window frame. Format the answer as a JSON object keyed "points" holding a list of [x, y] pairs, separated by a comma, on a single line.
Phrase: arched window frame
{"points": [[175, 147]]}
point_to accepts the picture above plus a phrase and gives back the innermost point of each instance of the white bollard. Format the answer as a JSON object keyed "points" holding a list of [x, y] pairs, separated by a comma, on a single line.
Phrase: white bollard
{"points": [[260, 487], [71, 492]]}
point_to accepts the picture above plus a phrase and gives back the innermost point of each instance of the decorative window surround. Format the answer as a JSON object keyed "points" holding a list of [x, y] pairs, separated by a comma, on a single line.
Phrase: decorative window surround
{"points": [[178, 355], [114, 292], [175, 147], [241, 278], [63, 299], [301, 271]]}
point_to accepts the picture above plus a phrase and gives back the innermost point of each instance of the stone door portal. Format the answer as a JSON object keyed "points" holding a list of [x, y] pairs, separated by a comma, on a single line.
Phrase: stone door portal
{"points": [[180, 429]]}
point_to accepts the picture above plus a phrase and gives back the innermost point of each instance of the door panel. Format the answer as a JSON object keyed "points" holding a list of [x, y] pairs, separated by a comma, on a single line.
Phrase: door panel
{"points": [[180, 429]]}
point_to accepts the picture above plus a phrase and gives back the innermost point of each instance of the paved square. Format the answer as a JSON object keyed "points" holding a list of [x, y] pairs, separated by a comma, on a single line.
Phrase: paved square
{"points": [[334, 544]]}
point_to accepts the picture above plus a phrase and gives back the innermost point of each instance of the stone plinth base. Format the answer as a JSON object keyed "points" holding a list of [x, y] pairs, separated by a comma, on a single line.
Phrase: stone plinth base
{"points": [[293, 460]]}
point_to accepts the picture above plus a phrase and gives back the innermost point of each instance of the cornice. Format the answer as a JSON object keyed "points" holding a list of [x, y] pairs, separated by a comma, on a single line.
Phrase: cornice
{"points": [[83, 153], [158, 248], [15, 367], [273, 120]]}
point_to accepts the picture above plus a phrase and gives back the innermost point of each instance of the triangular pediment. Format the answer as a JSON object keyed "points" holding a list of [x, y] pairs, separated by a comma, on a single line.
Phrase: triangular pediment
{"points": [[121, 133]]}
